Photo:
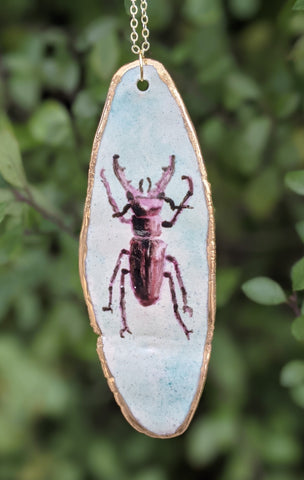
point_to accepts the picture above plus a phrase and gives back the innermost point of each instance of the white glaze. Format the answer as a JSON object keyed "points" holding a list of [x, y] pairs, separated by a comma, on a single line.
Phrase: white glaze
{"points": [[156, 369]]}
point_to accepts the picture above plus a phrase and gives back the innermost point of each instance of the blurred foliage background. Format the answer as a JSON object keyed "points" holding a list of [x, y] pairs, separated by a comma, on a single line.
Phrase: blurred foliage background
{"points": [[239, 65]]}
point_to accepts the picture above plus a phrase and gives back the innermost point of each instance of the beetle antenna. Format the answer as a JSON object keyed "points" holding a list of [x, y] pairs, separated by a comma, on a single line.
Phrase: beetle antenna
{"points": [[150, 184], [166, 176], [120, 174], [140, 185]]}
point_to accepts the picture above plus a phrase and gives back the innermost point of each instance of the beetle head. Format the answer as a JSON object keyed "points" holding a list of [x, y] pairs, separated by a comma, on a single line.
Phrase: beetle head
{"points": [[148, 204], [131, 191]]}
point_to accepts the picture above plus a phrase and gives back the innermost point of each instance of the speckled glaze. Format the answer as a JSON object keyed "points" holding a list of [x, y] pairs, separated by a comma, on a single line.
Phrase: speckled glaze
{"points": [[156, 373]]}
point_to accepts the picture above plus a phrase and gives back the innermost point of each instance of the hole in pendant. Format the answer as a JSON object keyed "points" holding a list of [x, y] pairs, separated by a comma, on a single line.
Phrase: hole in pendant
{"points": [[142, 85]]}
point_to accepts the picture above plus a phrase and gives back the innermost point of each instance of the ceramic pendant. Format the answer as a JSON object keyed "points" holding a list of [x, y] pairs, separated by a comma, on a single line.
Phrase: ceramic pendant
{"points": [[147, 256]]}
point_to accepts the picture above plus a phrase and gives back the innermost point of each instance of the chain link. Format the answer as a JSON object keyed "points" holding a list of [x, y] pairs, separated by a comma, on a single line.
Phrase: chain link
{"points": [[134, 25]]}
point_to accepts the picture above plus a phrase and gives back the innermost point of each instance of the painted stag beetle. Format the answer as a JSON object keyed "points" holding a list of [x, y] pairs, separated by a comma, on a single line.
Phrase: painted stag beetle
{"points": [[147, 253]]}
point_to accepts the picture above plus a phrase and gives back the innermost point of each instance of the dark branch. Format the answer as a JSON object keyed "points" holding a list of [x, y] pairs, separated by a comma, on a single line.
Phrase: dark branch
{"points": [[292, 302], [29, 200]]}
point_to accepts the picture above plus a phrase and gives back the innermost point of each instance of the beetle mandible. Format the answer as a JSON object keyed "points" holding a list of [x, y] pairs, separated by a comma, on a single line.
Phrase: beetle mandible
{"points": [[147, 253]]}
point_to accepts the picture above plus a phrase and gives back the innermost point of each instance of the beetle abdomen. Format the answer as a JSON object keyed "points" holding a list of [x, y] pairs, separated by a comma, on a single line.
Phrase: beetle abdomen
{"points": [[146, 267]]}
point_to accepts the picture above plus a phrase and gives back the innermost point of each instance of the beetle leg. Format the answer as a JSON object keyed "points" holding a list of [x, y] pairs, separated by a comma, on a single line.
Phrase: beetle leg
{"points": [[171, 202], [186, 307], [175, 305], [125, 328], [112, 202], [181, 206], [123, 212], [112, 280]]}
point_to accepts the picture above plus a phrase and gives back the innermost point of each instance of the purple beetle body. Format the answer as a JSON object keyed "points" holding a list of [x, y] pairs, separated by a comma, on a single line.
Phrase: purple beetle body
{"points": [[147, 253], [147, 260]]}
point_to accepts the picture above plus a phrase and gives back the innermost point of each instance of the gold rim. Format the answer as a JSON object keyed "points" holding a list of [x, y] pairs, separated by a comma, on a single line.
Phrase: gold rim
{"points": [[162, 72]]}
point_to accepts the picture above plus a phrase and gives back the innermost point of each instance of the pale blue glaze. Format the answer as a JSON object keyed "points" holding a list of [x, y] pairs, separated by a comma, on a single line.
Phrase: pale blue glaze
{"points": [[156, 369]]}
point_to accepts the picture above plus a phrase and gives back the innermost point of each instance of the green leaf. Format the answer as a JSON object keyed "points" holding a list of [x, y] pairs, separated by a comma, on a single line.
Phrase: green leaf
{"points": [[280, 448], [228, 368], [11, 167], [95, 31], [35, 388], [50, 124], [210, 437], [240, 464], [25, 90], [298, 142], [295, 181], [255, 139], [297, 328], [127, 7], [292, 373], [285, 103], [226, 283], [151, 473], [156, 21], [244, 9], [42, 200], [300, 229], [239, 88], [85, 105], [297, 394], [104, 55], [296, 55], [203, 12], [61, 73], [24, 82], [3, 209], [101, 37], [9, 205], [264, 290], [67, 469], [263, 193], [60, 70], [297, 275], [247, 146], [299, 5], [104, 459], [212, 132]]}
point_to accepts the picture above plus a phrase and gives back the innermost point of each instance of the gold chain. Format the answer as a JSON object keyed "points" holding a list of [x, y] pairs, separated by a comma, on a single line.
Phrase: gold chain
{"points": [[134, 24]]}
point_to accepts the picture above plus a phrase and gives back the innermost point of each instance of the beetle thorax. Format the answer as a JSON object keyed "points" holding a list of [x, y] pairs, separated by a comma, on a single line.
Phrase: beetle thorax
{"points": [[146, 220], [146, 206]]}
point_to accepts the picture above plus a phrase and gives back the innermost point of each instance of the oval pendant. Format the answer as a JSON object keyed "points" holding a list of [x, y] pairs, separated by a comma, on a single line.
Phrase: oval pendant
{"points": [[147, 252]]}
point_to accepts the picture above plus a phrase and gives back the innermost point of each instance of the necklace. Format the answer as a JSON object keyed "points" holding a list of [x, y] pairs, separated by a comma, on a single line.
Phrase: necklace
{"points": [[147, 249]]}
